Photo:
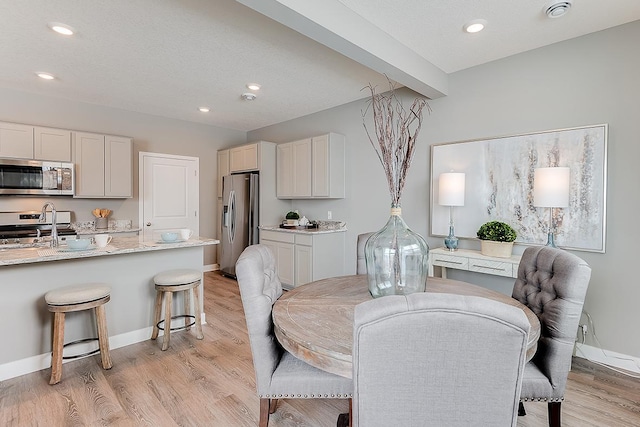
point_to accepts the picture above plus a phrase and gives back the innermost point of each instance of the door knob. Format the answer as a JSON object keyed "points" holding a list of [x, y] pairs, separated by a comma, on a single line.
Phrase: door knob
{"points": [[148, 224]]}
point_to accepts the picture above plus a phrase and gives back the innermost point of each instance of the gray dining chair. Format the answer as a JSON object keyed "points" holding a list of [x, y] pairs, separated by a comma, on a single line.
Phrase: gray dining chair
{"points": [[553, 284], [361, 262], [279, 374], [429, 359]]}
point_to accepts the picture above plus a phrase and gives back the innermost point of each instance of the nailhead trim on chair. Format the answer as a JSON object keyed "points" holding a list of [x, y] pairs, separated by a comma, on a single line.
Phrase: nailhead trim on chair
{"points": [[541, 399], [312, 396]]}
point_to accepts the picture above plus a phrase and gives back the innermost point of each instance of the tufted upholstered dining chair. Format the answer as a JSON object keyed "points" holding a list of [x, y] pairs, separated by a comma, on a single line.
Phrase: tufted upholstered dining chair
{"points": [[279, 374], [417, 356], [361, 262], [553, 284]]}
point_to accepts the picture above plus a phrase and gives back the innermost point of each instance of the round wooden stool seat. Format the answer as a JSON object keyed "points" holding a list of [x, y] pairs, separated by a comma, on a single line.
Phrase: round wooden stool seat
{"points": [[77, 298], [168, 282]]}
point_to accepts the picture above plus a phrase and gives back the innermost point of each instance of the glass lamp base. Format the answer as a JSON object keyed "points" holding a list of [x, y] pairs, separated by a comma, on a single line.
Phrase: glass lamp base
{"points": [[451, 241], [551, 240]]}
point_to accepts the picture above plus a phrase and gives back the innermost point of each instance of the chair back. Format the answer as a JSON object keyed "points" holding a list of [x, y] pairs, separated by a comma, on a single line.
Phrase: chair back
{"points": [[260, 288], [428, 359], [553, 284], [361, 262]]}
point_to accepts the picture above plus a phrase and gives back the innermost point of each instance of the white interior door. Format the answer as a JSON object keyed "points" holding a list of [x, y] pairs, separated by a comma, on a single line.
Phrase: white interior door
{"points": [[169, 194]]}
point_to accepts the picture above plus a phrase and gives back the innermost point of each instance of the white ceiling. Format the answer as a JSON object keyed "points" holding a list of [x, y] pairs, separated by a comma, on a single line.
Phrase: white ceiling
{"points": [[169, 57]]}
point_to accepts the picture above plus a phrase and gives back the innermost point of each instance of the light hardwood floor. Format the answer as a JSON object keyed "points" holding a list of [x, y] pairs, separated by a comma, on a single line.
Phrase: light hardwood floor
{"points": [[211, 383]]}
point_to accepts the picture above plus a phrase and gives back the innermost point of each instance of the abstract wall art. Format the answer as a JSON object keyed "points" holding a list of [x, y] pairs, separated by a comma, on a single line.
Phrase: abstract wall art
{"points": [[499, 185]]}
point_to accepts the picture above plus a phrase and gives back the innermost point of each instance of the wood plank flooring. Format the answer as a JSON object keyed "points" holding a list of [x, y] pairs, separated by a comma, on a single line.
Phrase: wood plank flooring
{"points": [[211, 383]]}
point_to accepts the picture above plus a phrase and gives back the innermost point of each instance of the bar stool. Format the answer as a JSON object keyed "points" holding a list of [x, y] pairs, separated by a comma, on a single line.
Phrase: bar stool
{"points": [[78, 298], [166, 283]]}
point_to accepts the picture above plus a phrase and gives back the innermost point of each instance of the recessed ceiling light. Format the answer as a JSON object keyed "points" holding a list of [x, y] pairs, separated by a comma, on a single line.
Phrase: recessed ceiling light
{"points": [[475, 26], [556, 9], [253, 86], [249, 96], [45, 76], [203, 109], [63, 29]]}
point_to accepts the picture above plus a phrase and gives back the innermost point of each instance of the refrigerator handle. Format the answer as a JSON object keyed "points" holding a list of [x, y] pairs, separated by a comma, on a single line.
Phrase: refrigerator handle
{"points": [[252, 195], [232, 213]]}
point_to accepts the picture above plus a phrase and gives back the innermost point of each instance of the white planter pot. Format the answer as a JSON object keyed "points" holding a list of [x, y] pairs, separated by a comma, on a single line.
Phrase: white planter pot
{"points": [[496, 249]]}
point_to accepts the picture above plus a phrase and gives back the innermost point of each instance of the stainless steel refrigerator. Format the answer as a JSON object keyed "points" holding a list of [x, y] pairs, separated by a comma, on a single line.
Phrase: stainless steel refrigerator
{"points": [[240, 218]]}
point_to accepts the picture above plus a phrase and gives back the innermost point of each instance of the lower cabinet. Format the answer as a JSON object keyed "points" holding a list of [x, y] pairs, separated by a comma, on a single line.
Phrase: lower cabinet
{"points": [[304, 257]]}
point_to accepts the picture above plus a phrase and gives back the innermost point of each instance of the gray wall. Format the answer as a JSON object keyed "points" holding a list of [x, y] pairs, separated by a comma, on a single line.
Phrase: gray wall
{"points": [[149, 133], [585, 81]]}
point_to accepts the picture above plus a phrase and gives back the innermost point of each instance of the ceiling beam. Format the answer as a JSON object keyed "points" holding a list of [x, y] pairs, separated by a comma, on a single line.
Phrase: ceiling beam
{"points": [[336, 26]]}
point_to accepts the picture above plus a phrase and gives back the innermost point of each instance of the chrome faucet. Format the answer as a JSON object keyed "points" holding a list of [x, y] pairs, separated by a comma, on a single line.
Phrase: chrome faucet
{"points": [[54, 228]]}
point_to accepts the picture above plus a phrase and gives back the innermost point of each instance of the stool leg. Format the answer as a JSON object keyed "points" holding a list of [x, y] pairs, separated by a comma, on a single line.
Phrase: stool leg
{"points": [[103, 337], [57, 347], [187, 309], [156, 315], [167, 320], [196, 311]]}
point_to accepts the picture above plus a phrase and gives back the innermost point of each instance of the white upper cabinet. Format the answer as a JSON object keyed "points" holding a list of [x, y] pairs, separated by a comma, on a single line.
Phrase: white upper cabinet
{"points": [[223, 168], [16, 141], [103, 166], [312, 168], [52, 144], [244, 158]]}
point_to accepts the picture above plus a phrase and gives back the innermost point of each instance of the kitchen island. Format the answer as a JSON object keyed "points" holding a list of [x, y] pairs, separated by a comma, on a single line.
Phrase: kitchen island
{"points": [[127, 264]]}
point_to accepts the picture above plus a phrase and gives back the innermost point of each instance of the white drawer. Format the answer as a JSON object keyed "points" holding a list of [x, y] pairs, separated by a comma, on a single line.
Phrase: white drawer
{"points": [[304, 239], [451, 261], [496, 268], [276, 236]]}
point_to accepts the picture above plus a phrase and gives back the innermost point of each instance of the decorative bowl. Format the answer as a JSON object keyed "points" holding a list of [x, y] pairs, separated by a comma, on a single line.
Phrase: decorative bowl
{"points": [[78, 243]]}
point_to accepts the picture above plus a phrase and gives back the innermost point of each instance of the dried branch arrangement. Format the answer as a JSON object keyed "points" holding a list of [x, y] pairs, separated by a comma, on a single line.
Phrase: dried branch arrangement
{"points": [[396, 130]]}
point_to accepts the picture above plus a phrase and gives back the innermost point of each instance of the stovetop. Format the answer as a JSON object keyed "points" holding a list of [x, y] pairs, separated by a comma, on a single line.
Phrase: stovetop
{"points": [[24, 229]]}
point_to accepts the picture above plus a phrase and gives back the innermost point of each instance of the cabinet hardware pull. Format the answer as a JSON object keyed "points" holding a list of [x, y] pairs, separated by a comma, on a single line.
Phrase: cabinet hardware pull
{"points": [[450, 262], [489, 268]]}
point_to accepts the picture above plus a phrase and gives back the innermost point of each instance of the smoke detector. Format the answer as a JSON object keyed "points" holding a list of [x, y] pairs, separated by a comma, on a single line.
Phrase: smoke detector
{"points": [[249, 96], [556, 9]]}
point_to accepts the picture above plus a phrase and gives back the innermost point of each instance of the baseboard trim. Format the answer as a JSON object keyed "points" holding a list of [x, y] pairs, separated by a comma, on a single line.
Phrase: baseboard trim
{"points": [[607, 357], [211, 267], [43, 361]]}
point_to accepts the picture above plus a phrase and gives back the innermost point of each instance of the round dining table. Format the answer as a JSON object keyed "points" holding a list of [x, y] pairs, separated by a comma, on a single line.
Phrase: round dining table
{"points": [[314, 322]]}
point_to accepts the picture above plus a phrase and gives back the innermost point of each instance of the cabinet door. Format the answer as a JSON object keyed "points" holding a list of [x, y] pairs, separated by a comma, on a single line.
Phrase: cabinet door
{"points": [[89, 163], [284, 170], [302, 168], [284, 255], [16, 141], [52, 144], [223, 168], [304, 265], [118, 167], [244, 158], [320, 167]]}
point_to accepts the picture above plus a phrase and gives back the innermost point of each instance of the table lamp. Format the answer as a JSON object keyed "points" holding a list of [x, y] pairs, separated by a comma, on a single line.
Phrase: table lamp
{"points": [[551, 190], [451, 193]]}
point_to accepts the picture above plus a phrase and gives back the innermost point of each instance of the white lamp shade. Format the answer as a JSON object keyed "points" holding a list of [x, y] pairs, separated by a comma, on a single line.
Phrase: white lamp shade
{"points": [[551, 187], [451, 189]]}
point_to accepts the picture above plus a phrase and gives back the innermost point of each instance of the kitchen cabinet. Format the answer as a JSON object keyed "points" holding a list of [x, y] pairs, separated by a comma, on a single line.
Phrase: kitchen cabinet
{"points": [[104, 165], [312, 168], [223, 168], [244, 158], [16, 141], [52, 144], [305, 257]]}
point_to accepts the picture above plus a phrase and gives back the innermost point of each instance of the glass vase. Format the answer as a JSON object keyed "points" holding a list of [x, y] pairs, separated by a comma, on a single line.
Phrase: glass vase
{"points": [[396, 258]]}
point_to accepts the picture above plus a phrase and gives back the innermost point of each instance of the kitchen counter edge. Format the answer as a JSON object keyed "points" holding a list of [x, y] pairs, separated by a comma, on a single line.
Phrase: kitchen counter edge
{"points": [[299, 231], [118, 246]]}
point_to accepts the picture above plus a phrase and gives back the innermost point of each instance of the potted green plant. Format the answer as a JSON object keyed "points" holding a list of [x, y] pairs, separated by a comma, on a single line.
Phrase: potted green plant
{"points": [[496, 238], [292, 217]]}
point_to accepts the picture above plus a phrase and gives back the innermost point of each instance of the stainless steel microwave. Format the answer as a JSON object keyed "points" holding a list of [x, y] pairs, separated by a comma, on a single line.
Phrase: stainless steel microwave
{"points": [[34, 177]]}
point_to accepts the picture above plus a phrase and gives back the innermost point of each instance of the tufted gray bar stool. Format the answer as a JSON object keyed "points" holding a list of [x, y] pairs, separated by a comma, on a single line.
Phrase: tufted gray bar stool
{"points": [[78, 298], [166, 283]]}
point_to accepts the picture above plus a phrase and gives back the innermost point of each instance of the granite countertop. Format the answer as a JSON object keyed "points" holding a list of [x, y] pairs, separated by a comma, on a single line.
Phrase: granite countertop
{"points": [[118, 246], [334, 227]]}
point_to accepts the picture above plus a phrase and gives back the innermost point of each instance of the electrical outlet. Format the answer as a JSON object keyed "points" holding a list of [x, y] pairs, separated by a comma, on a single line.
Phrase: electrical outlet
{"points": [[329, 215]]}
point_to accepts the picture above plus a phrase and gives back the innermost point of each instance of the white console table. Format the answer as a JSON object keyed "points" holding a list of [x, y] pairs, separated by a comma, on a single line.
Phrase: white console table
{"points": [[470, 260]]}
